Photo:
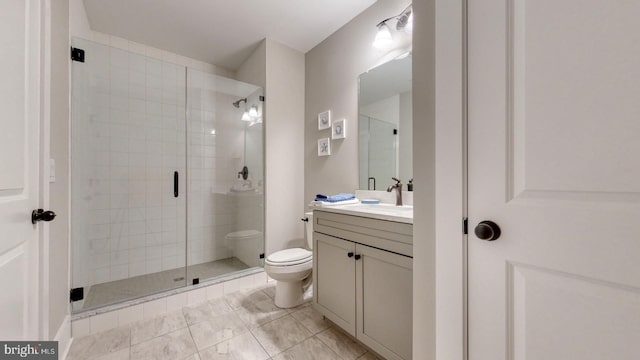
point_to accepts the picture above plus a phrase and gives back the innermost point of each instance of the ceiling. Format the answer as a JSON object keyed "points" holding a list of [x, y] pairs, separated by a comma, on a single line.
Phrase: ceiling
{"points": [[222, 32]]}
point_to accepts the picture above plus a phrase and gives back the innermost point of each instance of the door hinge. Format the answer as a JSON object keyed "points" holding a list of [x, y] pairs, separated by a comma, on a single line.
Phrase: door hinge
{"points": [[261, 98], [465, 226], [76, 294], [77, 54], [395, 131], [262, 256]]}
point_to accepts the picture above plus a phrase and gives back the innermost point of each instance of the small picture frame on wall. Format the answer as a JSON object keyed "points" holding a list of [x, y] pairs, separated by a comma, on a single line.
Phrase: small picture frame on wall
{"points": [[324, 120], [339, 129], [324, 147]]}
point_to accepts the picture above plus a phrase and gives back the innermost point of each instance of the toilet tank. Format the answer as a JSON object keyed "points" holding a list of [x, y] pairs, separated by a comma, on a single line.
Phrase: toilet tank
{"points": [[308, 227]]}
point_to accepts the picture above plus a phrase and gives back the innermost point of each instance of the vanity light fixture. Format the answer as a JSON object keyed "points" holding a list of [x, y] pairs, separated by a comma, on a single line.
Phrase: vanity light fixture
{"points": [[383, 38], [404, 20]]}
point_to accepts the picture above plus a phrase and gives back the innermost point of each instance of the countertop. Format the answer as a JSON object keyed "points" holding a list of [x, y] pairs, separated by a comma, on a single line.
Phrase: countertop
{"points": [[388, 212]]}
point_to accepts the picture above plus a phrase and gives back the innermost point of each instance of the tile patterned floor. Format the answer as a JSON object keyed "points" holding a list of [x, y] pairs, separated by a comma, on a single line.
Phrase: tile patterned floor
{"points": [[119, 290], [242, 325]]}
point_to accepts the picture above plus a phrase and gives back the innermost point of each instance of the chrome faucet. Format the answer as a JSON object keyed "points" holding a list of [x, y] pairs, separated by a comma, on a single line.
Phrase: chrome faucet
{"points": [[398, 187]]}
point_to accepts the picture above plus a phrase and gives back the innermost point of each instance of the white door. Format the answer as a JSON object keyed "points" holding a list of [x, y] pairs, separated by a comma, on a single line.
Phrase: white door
{"points": [[20, 60], [554, 160]]}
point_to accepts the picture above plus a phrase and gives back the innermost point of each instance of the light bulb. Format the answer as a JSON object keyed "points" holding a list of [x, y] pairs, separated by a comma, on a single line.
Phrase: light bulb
{"points": [[246, 116], [383, 38], [253, 112]]}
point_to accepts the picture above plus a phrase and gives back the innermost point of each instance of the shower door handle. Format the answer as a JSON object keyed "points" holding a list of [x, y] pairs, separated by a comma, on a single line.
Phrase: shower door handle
{"points": [[175, 184]]}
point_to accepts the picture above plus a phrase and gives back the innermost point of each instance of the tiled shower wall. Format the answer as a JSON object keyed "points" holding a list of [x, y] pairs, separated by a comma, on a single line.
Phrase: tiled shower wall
{"points": [[216, 153], [128, 138], [214, 157], [129, 135]]}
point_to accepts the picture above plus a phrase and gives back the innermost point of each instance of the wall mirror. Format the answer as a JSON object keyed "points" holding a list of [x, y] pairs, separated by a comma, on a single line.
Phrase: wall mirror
{"points": [[385, 120]]}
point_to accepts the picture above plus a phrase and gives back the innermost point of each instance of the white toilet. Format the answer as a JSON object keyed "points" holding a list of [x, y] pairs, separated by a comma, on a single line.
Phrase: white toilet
{"points": [[291, 268]]}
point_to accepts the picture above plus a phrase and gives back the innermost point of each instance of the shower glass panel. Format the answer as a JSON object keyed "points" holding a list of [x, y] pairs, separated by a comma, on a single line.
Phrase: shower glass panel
{"points": [[166, 176], [378, 151], [225, 157], [127, 142]]}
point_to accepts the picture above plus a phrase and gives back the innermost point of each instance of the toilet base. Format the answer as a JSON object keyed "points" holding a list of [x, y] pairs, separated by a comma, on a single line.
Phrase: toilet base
{"points": [[289, 294]]}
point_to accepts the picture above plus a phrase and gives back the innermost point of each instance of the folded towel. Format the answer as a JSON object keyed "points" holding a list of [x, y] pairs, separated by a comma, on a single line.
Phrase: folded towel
{"points": [[329, 204], [335, 198]]}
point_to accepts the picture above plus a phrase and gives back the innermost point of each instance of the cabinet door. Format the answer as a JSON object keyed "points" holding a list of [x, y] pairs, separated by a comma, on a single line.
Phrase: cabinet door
{"points": [[384, 291], [334, 280]]}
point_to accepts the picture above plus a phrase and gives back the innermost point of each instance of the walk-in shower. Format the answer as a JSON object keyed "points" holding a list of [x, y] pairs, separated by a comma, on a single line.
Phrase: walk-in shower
{"points": [[157, 202]]}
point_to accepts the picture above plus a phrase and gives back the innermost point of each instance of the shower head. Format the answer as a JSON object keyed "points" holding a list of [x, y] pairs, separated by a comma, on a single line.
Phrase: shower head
{"points": [[237, 103]]}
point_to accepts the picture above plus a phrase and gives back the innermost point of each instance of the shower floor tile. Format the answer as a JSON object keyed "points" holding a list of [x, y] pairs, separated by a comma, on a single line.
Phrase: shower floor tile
{"points": [[125, 289]]}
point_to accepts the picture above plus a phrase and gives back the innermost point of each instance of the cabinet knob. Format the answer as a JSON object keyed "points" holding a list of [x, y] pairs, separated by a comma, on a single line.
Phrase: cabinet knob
{"points": [[357, 256], [350, 254]]}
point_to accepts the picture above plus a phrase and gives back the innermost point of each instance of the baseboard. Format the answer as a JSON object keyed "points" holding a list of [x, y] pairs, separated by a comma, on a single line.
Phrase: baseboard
{"points": [[63, 337]]}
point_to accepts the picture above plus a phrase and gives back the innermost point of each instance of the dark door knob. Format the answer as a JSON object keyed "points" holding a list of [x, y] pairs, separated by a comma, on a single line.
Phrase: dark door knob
{"points": [[350, 254], [41, 215], [487, 230]]}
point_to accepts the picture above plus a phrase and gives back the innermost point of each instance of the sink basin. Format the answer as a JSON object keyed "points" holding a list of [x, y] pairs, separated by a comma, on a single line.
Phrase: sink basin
{"points": [[380, 211]]}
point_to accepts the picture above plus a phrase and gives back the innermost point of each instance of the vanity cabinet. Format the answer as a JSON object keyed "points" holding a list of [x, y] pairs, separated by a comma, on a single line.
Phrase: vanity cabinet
{"points": [[366, 290], [334, 280]]}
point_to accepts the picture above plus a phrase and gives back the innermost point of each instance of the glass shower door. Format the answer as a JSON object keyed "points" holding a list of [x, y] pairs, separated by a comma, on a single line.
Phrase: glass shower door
{"points": [[128, 141], [378, 145], [225, 157]]}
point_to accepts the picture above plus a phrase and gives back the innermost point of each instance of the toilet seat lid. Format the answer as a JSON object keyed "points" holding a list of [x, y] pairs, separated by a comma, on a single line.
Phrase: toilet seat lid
{"points": [[289, 257]]}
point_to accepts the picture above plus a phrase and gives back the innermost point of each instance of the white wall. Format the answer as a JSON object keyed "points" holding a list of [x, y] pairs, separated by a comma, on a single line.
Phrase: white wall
{"points": [[332, 70], [386, 109], [450, 243], [78, 20], [285, 147], [254, 68], [424, 140], [280, 70]]}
